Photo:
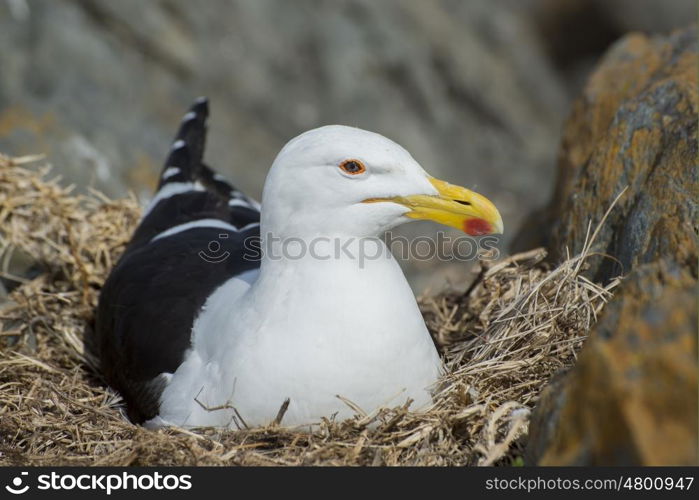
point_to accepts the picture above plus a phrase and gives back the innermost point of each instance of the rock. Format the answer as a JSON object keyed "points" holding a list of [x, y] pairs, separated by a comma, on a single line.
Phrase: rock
{"points": [[100, 87], [634, 126], [649, 15], [464, 85], [575, 33], [631, 399]]}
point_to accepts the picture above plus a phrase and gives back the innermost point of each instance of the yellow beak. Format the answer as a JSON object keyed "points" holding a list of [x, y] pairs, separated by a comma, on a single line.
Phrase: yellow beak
{"points": [[454, 206]]}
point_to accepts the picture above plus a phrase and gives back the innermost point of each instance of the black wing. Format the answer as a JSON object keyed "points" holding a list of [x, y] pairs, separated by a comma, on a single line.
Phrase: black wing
{"points": [[198, 232]]}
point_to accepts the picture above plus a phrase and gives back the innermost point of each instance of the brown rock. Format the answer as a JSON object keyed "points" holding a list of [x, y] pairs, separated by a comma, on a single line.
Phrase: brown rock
{"points": [[634, 126], [632, 396]]}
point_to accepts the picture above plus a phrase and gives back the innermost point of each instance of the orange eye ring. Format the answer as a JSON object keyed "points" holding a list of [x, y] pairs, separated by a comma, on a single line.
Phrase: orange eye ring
{"points": [[352, 167]]}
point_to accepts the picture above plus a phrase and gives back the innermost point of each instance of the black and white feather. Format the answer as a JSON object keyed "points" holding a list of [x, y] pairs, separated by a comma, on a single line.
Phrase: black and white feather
{"points": [[192, 238]]}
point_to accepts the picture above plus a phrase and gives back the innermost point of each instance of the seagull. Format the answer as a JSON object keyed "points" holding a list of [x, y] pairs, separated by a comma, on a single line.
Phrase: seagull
{"points": [[225, 312]]}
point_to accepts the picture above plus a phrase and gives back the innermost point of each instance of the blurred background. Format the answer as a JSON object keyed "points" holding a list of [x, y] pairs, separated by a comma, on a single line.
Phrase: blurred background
{"points": [[476, 90]]}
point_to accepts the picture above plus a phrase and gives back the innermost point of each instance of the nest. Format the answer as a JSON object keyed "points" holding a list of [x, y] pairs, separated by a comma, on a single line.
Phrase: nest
{"points": [[519, 323]]}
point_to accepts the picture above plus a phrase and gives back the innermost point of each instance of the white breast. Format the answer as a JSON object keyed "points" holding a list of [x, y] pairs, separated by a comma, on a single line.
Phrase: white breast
{"points": [[308, 330]]}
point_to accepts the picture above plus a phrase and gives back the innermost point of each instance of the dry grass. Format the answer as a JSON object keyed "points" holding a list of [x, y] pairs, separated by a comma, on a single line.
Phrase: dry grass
{"points": [[515, 327]]}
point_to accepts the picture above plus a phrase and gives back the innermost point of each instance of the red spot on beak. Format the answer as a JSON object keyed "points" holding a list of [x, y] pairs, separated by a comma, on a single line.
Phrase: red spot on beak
{"points": [[477, 227]]}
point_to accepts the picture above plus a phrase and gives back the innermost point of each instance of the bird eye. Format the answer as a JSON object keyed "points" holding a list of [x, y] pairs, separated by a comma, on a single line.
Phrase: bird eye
{"points": [[352, 167]]}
